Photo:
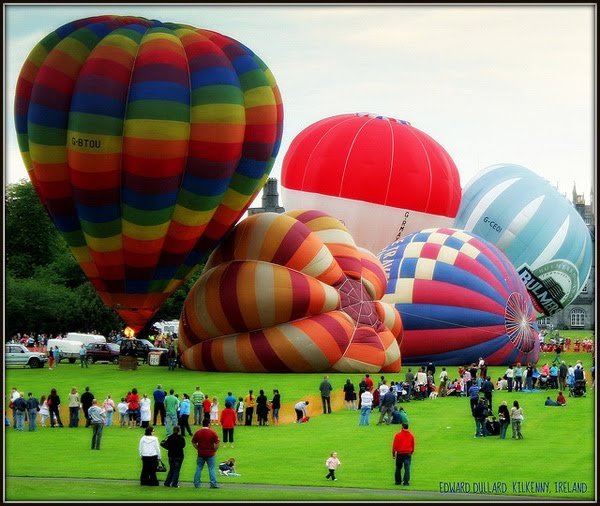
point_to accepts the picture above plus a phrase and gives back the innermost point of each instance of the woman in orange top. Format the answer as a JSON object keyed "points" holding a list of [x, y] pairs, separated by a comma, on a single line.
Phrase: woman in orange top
{"points": [[249, 402]]}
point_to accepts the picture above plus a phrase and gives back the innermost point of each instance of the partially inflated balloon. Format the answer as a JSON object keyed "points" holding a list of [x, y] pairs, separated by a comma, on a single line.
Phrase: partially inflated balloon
{"points": [[460, 299], [290, 293], [382, 177], [537, 228], [146, 142]]}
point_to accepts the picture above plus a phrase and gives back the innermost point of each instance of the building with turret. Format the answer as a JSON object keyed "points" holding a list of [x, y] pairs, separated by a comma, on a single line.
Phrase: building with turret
{"points": [[270, 199]]}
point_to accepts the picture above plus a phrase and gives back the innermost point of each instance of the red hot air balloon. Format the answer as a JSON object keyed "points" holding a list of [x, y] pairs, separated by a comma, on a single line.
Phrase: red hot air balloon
{"points": [[382, 177], [146, 142]]}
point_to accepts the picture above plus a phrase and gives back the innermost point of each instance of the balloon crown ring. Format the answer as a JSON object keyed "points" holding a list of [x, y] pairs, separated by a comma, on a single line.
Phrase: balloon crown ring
{"points": [[379, 116]]}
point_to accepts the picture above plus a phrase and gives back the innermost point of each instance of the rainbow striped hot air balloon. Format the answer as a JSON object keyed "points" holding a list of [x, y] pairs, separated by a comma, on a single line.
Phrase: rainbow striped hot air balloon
{"points": [[146, 142], [537, 228], [290, 293], [460, 299]]}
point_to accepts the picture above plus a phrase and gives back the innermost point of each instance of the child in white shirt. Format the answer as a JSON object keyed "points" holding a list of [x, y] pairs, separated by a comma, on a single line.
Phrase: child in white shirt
{"points": [[122, 408], [332, 463]]}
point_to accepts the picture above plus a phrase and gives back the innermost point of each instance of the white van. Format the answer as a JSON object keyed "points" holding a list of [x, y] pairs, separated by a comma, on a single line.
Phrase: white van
{"points": [[86, 338], [69, 349]]}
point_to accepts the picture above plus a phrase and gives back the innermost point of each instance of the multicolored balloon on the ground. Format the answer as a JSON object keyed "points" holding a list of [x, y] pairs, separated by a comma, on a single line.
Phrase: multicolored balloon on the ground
{"points": [[460, 299], [382, 177], [537, 228], [146, 142], [290, 293]]}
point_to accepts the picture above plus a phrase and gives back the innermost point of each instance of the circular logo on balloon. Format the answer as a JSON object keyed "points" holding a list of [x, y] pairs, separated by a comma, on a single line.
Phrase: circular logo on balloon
{"points": [[551, 285]]}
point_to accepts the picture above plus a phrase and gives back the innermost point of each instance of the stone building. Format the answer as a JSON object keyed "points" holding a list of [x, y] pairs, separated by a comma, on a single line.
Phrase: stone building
{"points": [[270, 199]]}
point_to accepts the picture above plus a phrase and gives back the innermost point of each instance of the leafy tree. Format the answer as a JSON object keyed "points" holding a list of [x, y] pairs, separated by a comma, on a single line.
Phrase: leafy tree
{"points": [[31, 239]]}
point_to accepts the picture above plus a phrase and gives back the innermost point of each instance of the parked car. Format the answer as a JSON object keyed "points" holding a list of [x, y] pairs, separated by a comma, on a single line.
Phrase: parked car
{"points": [[140, 349], [103, 352], [17, 354]]}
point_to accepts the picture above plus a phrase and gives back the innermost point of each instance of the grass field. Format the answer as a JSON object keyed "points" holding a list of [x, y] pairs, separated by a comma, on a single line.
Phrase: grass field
{"points": [[558, 450]]}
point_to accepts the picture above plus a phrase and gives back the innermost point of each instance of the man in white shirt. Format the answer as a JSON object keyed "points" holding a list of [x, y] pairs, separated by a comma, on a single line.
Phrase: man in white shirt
{"points": [[366, 403], [301, 410]]}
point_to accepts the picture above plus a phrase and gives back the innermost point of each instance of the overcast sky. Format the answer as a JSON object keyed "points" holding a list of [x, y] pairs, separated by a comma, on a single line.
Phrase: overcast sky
{"points": [[492, 84]]}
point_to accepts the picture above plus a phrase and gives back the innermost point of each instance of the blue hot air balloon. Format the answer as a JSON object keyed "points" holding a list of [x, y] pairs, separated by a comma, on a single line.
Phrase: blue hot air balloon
{"points": [[537, 228]]}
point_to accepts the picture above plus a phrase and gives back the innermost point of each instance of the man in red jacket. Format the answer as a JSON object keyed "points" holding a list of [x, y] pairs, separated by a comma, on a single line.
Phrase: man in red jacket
{"points": [[402, 450]]}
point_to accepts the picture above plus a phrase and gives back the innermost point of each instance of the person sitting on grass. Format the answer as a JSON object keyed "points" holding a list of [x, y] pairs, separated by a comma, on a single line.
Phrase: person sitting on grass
{"points": [[561, 399], [501, 384], [550, 402], [227, 468]]}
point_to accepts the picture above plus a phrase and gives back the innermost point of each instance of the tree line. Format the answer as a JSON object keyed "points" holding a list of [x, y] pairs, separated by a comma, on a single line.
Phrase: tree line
{"points": [[45, 289]]}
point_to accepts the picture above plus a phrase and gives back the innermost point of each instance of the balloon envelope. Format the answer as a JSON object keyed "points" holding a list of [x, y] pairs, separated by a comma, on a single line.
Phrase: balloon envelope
{"points": [[460, 299], [290, 293], [380, 176], [537, 228], [146, 142]]}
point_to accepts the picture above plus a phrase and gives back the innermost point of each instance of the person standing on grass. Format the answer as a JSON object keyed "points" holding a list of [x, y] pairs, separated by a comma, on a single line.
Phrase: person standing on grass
{"points": [[97, 419], [20, 408], [504, 417], [332, 463], [50, 358], [403, 448], [133, 403], [86, 402], [74, 405], [349, 395], [54, 406], [240, 410], [44, 411], [487, 387], [83, 356], [262, 409], [171, 405], [123, 408], [366, 403], [228, 420], [145, 411], [325, 388], [249, 403], [33, 406], [159, 404], [276, 406], [206, 442], [149, 449], [214, 411], [197, 398], [185, 408], [109, 408], [516, 418], [174, 445]]}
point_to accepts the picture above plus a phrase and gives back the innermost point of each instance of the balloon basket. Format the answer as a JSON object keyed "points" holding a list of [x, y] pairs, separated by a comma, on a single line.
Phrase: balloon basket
{"points": [[128, 363]]}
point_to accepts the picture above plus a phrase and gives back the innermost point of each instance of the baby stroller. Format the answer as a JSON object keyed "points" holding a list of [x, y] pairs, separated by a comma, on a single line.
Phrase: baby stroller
{"points": [[403, 391], [577, 389], [543, 382]]}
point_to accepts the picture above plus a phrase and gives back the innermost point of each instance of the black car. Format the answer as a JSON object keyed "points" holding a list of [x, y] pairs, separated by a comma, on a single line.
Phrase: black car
{"points": [[140, 348], [103, 352]]}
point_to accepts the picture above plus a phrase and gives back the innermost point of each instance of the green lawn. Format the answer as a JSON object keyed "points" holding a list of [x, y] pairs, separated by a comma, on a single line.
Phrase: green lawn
{"points": [[558, 449]]}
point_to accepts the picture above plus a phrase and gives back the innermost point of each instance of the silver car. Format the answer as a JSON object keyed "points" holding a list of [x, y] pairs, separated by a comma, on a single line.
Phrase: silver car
{"points": [[17, 354]]}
